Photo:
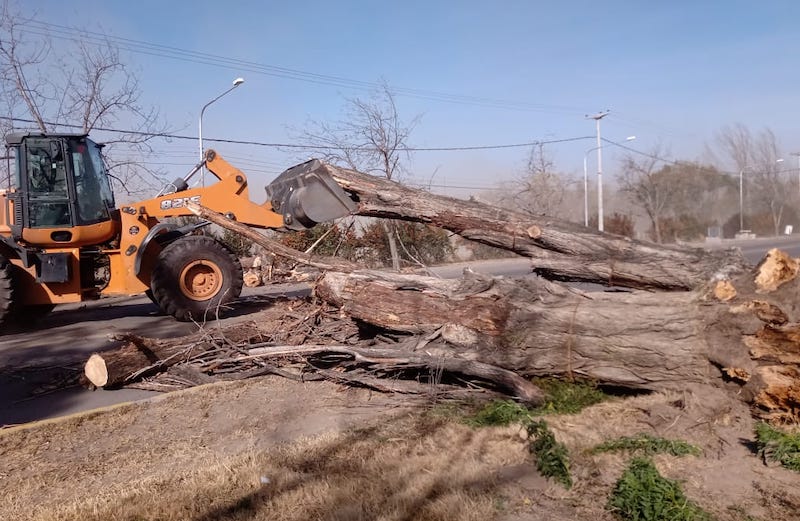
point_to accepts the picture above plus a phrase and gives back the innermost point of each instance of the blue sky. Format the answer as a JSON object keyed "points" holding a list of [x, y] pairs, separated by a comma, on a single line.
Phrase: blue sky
{"points": [[672, 73]]}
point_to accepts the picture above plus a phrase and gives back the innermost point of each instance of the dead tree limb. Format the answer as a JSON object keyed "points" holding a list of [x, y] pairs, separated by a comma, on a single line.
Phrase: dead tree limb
{"points": [[317, 261]]}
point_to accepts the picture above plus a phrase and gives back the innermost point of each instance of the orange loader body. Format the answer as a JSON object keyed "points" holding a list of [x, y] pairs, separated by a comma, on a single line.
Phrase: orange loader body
{"points": [[102, 250]]}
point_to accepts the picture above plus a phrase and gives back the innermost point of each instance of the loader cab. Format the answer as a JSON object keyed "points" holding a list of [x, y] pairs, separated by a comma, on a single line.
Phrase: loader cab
{"points": [[61, 195]]}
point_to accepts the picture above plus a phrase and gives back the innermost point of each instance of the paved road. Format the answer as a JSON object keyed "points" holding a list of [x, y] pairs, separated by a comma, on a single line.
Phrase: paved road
{"points": [[38, 366], [35, 364], [754, 249]]}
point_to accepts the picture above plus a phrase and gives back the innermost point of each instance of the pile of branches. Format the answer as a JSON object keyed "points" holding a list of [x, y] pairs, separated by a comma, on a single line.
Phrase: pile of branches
{"points": [[307, 342]]}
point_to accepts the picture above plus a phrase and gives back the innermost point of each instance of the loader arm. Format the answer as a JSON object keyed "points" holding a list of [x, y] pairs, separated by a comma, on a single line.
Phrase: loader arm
{"points": [[299, 198], [229, 195]]}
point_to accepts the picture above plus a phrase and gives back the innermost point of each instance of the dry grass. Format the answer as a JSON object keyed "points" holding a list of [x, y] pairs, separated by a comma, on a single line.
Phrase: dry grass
{"points": [[335, 454], [412, 467], [405, 465]]}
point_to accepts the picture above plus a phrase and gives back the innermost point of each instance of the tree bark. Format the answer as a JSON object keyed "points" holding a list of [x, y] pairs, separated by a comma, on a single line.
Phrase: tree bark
{"points": [[636, 340], [536, 328]]}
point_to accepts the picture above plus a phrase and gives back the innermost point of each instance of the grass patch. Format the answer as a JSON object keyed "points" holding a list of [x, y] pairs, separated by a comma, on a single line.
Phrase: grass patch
{"points": [[564, 397], [499, 413], [561, 397], [648, 445], [642, 494], [552, 457], [777, 446]]}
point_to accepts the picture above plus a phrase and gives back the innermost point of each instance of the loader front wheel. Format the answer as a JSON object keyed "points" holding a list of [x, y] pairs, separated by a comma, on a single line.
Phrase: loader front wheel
{"points": [[195, 277], [6, 289]]}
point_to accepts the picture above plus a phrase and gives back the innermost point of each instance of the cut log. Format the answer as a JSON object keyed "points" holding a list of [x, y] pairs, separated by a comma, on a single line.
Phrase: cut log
{"points": [[139, 356]]}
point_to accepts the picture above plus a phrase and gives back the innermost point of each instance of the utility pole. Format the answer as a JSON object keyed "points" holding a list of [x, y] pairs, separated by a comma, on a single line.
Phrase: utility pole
{"points": [[597, 117], [797, 154]]}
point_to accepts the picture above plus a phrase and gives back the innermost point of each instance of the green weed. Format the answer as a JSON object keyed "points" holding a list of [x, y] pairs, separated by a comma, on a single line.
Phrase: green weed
{"points": [[782, 447], [642, 494], [648, 445], [560, 398], [563, 397], [552, 457], [499, 412]]}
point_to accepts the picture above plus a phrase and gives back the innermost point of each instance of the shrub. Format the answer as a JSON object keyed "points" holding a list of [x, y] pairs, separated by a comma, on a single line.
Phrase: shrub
{"points": [[240, 245], [427, 244], [618, 223], [499, 412], [336, 240]]}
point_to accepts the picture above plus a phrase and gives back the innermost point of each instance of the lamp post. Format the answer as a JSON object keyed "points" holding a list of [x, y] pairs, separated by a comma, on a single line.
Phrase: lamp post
{"points": [[597, 117], [236, 83], [741, 191], [586, 180]]}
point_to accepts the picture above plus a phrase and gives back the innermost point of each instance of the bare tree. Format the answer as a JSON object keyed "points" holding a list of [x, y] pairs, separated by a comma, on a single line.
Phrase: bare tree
{"points": [[371, 138], [647, 187], [756, 157], [540, 190], [82, 85]]}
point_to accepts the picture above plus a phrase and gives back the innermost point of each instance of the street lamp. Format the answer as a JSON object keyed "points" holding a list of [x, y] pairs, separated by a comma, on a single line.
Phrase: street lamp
{"points": [[236, 83], [586, 181], [597, 117], [741, 191]]}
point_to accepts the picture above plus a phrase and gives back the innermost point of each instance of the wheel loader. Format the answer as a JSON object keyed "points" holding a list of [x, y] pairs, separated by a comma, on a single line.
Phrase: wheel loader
{"points": [[63, 239]]}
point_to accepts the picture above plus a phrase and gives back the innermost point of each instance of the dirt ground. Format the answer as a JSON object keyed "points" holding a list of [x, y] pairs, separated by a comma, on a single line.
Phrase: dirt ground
{"points": [[271, 448]]}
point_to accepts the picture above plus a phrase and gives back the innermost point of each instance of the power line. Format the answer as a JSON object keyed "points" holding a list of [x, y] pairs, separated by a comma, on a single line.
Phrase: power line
{"points": [[300, 146], [176, 53], [678, 162], [639, 152]]}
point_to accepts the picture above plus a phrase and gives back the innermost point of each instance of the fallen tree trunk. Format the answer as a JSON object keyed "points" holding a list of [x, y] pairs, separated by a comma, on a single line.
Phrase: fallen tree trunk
{"points": [[536, 328], [730, 327], [559, 250], [743, 329]]}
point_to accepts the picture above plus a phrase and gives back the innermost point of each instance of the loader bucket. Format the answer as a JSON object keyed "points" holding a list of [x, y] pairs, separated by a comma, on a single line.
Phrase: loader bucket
{"points": [[306, 195]]}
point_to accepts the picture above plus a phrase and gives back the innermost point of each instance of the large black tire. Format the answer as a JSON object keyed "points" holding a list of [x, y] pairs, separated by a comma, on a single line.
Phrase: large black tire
{"points": [[6, 289], [195, 277]]}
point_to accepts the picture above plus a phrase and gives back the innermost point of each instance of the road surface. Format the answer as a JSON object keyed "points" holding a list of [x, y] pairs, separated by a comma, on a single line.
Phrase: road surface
{"points": [[754, 249], [37, 365]]}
